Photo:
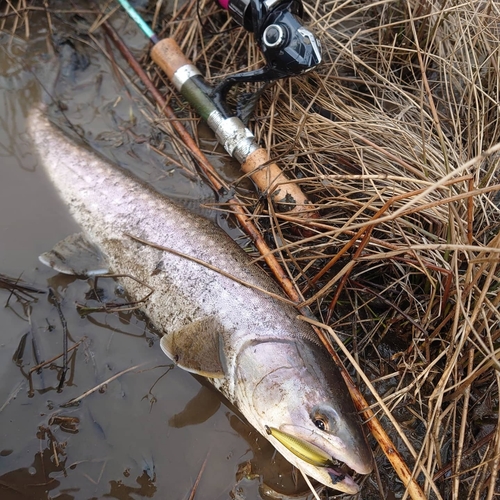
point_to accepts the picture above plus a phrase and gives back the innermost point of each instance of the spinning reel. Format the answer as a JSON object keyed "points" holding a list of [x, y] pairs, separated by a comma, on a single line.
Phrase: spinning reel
{"points": [[289, 48]]}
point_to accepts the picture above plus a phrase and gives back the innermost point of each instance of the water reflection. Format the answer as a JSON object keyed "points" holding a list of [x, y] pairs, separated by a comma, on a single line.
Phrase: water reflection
{"points": [[37, 481], [33, 482], [198, 410], [121, 491]]}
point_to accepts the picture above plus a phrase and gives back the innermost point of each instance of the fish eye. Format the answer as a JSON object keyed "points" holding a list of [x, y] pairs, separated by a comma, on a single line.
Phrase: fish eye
{"points": [[324, 417], [320, 424]]}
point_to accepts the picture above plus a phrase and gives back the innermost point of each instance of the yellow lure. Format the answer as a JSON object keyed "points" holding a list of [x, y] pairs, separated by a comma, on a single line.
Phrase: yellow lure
{"points": [[308, 452]]}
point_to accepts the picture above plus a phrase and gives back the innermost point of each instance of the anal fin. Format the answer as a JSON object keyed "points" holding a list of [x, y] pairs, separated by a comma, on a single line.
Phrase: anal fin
{"points": [[75, 255]]}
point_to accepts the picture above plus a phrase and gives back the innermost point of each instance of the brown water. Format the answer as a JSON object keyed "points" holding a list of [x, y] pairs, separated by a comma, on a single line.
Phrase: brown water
{"points": [[148, 433]]}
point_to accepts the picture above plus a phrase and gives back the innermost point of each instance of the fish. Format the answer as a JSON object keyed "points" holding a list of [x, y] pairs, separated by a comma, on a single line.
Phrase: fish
{"points": [[237, 333]]}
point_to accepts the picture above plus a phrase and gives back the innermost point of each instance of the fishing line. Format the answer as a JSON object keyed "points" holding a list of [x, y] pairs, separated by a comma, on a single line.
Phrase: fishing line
{"points": [[139, 20]]}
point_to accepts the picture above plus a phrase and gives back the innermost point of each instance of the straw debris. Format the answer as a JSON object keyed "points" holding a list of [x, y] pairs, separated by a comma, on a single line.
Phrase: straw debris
{"points": [[396, 139]]}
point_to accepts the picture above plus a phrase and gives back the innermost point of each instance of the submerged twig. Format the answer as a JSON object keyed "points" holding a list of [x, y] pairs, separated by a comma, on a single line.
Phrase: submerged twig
{"points": [[198, 478], [48, 362], [53, 298], [110, 307], [76, 400], [18, 288], [13, 394]]}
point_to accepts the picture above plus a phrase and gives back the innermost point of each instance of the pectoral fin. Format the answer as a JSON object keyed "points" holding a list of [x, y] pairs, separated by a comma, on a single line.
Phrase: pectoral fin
{"points": [[75, 255], [197, 348]]}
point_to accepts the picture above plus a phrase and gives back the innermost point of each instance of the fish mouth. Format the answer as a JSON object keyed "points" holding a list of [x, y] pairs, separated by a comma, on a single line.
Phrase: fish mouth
{"points": [[342, 482], [339, 479], [334, 476], [337, 474], [317, 462]]}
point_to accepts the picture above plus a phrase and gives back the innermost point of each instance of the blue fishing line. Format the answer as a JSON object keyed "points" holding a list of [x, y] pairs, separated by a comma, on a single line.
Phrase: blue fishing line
{"points": [[138, 19]]}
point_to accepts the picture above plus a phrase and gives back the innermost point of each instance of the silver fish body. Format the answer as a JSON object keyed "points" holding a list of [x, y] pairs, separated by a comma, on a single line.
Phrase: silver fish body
{"points": [[250, 345]]}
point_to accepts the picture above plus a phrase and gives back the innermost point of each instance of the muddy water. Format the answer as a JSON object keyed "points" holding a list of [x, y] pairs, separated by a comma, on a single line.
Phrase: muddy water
{"points": [[149, 432]]}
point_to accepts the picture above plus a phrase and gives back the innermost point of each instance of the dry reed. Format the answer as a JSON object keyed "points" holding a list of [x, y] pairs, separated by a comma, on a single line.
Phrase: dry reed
{"points": [[396, 139]]}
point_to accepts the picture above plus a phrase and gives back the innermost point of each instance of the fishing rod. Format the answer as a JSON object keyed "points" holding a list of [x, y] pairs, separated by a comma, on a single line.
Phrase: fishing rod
{"points": [[209, 102], [289, 48]]}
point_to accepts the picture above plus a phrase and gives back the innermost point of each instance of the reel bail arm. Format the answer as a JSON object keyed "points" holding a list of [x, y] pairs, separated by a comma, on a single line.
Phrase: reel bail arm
{"points": [[289, 48]]}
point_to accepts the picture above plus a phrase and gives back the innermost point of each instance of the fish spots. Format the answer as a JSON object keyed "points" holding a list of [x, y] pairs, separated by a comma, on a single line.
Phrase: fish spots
{"points": [[160, 266]]}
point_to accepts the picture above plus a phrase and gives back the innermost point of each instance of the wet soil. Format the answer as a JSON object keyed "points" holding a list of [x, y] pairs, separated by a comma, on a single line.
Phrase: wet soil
{"points": [[149, 432]]}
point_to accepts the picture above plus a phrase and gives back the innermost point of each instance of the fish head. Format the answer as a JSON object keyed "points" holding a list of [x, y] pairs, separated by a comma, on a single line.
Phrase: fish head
{"points": [[327, 436], [304, 408]]}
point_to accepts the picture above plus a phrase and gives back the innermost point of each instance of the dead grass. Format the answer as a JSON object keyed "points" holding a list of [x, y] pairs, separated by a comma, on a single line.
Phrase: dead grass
{"points": [[396, 139]]}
